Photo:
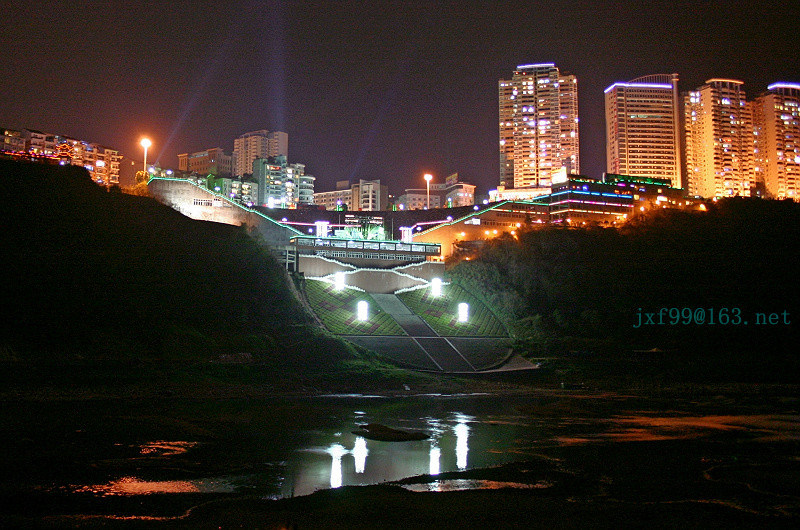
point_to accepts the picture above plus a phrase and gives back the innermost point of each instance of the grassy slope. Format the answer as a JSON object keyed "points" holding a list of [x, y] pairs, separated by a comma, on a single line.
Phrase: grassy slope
{"points": [[337, 309], [441, 313]]}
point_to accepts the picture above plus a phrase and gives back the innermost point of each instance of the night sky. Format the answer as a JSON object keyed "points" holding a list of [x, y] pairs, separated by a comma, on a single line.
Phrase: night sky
{"points": [[386, 90]]}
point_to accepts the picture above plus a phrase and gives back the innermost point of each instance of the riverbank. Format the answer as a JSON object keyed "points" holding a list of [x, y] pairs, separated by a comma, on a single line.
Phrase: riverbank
{"points": [[707, 457]]}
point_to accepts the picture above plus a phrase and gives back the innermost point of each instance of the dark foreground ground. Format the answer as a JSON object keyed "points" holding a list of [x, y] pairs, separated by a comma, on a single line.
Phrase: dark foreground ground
{"points": [[726, 457], [662, 484]]}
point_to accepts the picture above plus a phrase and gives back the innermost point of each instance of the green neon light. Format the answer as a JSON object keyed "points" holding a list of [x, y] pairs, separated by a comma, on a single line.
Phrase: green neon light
{"points": [[227, 199]]}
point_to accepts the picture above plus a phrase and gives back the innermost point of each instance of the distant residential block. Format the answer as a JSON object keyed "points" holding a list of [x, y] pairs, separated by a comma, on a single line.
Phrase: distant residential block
{"points": [[257, 144], [719, 140], [643, 135], [776, 118]]}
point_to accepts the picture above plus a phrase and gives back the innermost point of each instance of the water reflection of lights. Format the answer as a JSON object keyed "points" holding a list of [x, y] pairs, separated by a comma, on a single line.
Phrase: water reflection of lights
{"points": [[135, 486], [163, 448], [436, 454], [470, 484], [360, 453], [461, 430], [436, 430], [337, 452]]}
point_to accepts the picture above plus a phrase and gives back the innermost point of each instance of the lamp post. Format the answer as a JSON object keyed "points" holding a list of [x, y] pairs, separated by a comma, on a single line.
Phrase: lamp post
{"points": [[145, 143], [428, 178]]}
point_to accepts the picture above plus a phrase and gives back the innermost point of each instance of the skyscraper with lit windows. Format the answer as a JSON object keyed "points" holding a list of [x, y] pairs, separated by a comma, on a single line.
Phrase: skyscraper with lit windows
{"points": [[776, 119], [719, 140], [538, 111], [643, 136]]}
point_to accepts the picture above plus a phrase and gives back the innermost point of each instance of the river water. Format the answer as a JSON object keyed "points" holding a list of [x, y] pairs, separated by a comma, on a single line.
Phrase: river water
{"points": [[159, 458]]}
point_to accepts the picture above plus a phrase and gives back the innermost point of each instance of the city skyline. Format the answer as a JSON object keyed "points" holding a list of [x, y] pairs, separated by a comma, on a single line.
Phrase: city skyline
{"points": [[384, 91]]}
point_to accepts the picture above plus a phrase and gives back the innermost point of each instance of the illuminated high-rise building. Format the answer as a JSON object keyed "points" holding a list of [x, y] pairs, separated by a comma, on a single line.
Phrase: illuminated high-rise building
{"points": [[776, 119], [538, 127], [282, 185], [643, 128], [257, 144], [719, 140]]}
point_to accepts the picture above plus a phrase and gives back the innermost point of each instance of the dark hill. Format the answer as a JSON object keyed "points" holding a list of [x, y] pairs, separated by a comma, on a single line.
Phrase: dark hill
{"points": [[101, 274], [586, 290]]}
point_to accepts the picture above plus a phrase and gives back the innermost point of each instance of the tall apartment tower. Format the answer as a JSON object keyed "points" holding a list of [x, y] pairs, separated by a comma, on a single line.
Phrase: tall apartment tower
{"points": [[776, 118], [643, 136], [719, 140], [538, 126], [257, 144]]}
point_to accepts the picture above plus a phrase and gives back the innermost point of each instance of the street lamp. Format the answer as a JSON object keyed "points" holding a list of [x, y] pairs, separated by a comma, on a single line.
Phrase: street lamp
{"points": [[428, 178], [145, 143]]}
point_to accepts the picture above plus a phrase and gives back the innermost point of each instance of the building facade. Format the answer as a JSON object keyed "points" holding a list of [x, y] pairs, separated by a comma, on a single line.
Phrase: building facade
{"points": [[101, 162], [719, 140], [257, 144], [212, 161], [643, 136], [449, 194], [538, 111], [776, 120], [282, 185], [370, 196], [40, 143], [339, 199], [12, 140]]}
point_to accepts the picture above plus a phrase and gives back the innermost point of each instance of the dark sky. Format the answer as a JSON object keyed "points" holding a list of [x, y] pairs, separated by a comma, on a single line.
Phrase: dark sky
{"points": [[365, 89]]}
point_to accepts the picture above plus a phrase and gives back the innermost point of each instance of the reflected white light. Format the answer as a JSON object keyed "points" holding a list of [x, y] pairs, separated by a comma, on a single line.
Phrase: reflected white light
{"points": [[360, 453], [336, 451], [338, 280], [463, 311], [436, 287], [362, 310], [462, 434], [436, 454]]}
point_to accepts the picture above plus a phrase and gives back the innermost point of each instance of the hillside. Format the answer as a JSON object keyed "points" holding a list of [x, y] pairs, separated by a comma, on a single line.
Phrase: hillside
{"points": [[594, 290], [96, 274]]}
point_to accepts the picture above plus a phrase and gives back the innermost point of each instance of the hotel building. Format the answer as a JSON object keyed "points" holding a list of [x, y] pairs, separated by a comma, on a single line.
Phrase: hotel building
{"points": [[643, 135], [719, 140], [538, 111], [776, 118]]}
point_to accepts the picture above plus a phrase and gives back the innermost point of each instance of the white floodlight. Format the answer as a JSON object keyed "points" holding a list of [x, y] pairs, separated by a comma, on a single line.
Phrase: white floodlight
{"points": [[362, 310], [463, 312], [338, 280], [436, 287]]}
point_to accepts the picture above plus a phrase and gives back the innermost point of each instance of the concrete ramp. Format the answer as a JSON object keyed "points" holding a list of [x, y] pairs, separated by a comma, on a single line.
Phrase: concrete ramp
{"points": [[411, 323], [405, 351], [426, 350], [445, 355]]}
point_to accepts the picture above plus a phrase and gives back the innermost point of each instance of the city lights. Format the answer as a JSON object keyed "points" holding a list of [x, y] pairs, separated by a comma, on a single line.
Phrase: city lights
{"points": [[428, 178], [145, 143]]}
